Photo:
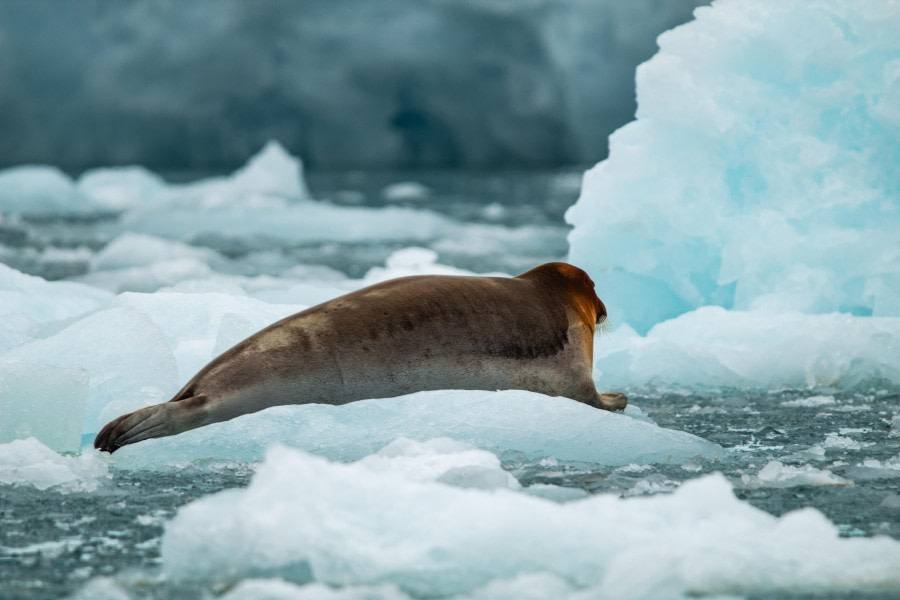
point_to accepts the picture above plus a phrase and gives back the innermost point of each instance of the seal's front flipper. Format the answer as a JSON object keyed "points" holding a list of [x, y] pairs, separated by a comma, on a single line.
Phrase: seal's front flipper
{"points": [[159, 420], [615, 401]]}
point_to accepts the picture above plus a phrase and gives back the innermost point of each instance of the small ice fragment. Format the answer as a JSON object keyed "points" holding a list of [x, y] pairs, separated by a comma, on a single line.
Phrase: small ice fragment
{"points": [[777, 474], [100, 587], [842, 442], [895, 426], [404, 191], [810, 402], [29, 462], [556, 493]]}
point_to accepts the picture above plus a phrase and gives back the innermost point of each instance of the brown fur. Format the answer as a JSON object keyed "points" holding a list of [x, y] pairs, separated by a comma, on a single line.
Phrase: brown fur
{"points": [[532, 332]]}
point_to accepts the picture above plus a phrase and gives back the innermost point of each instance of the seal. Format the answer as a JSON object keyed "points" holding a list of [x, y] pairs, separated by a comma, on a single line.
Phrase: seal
{"points": [[531, 332]]}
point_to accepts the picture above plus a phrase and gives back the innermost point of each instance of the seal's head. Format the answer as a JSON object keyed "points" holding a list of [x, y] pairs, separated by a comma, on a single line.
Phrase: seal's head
{"points": [[577, 284]]}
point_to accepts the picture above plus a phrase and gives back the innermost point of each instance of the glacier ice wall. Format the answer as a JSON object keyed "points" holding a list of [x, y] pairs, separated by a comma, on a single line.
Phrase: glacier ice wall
{"points": [[348, 83], [761, 171]]}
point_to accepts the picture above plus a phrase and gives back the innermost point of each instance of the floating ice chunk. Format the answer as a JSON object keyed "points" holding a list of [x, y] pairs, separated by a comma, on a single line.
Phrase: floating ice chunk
{"points": [[443, 460], [811, 402], [405, 191], [525, 422], [278, 589], [712, 347], [100, 587], [268, 219], [347, 525], [895, 426], [45, 301], [411, 261], [42, 401], [41, 191], [760, 172], [29, 462], [136, 250], [843, 443], [120, 188], [271, 171], [126, 357], [777, 474], [556, 493], [149, 278]]}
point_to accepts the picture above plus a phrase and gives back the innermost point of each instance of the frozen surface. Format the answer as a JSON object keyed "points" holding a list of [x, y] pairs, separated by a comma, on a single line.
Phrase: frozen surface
{"points": [[713, 347], [25, 297], [41, 191], [515, 423], [121, 353], [29, 462], [304, 517], [760, 173], [42, 401]]}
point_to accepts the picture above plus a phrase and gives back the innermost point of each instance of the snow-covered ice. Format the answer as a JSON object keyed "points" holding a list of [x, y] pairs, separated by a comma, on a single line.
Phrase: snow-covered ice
{"points": [[340, 524], [28, 462]]}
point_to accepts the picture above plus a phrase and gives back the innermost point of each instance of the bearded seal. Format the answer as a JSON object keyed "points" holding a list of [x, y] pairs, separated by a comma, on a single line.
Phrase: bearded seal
{"points": [[531, 332]]}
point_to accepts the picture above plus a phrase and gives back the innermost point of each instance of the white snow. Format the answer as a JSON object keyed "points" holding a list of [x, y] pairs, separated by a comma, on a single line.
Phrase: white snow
{"points": [[348, 525], [28, 462]]}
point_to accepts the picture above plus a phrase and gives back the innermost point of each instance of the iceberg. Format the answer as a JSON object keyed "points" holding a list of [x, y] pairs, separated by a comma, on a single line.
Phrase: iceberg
{"points": [[760, 172], [307, 519], [517, 424]]}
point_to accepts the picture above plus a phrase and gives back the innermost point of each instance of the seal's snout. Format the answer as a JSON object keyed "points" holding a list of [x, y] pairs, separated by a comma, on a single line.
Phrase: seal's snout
{"points": [[601, 312]]}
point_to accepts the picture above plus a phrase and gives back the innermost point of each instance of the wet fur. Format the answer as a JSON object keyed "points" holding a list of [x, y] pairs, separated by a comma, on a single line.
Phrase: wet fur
{"points": [[532, 332]]}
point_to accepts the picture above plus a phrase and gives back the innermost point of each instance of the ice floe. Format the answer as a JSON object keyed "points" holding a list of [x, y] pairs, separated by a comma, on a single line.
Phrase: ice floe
{"points": [[515, 424], [28, 462], [304, 518]]}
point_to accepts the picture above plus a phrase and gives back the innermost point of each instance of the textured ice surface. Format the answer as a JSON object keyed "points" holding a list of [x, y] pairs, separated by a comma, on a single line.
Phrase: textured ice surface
{"points": [[761, 170], [41, 191], [522, 423], [714, 347], [43, 401], [121, 352], [777, 474], [29, 462], [303, 517], [29, 297], [278, 589]]}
